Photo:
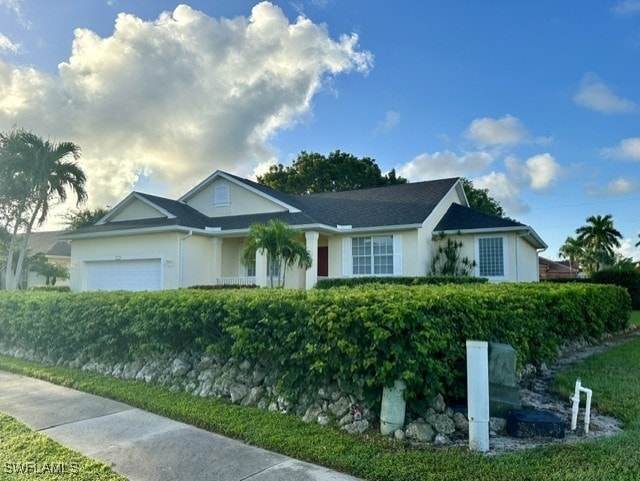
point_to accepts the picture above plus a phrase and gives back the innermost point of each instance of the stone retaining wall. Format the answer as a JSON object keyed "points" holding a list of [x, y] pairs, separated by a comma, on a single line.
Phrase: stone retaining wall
{"points": [[252, 384]]}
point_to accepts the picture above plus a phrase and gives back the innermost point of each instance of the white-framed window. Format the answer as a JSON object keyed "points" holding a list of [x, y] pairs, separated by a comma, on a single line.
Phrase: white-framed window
{"points": [[221, 195], [491, 257], [373, 256]]}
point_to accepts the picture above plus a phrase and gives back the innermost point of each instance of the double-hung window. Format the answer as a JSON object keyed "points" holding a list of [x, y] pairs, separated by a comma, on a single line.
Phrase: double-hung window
{"points": [[372, 255], [490, 253]]}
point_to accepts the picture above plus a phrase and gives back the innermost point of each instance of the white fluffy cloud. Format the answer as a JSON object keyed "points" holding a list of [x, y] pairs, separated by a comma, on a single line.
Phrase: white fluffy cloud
{"points": [[444, 164], [391, 119], [627, 149], [507, 130], [7, 45], [628, 249], [504, 190], [595, 95], [176, 98], [537, 172], [619, 186], [626, 7]]}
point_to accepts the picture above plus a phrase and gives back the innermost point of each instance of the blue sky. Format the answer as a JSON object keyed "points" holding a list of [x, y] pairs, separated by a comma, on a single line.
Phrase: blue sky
{"points": [[538, 101]]}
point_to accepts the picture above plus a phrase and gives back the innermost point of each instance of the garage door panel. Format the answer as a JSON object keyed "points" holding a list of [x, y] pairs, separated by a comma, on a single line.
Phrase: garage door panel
{"points": [[128, 275]]}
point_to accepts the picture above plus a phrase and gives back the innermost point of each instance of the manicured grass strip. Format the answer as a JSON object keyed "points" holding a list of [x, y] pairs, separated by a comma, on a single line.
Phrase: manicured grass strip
{"points": [[613, 377], [375, 458], [635, 318], [28, 455]]}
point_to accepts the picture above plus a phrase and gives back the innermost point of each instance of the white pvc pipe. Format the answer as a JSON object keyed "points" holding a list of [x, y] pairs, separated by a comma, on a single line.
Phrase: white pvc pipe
{"points": [[478, 395], [576, 406]]}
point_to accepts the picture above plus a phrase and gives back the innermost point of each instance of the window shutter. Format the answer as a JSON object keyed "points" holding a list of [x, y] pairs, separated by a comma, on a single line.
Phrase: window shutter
{"points": [[346, 257], [397, 255]]}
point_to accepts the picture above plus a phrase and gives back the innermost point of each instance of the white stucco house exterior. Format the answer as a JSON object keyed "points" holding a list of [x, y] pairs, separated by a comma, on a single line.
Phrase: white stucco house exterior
{"points": [[150, 243]]}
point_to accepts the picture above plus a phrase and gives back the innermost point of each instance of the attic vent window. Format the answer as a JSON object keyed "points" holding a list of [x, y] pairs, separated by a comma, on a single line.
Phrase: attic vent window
{"points": [[221, 196]]}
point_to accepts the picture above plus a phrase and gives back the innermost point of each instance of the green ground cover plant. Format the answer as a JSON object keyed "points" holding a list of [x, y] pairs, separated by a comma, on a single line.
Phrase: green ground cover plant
{"points": [[27, 455], [375, 458]]}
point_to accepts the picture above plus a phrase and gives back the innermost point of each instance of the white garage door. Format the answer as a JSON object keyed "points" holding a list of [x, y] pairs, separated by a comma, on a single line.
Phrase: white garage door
{"points": [[128, 275]]}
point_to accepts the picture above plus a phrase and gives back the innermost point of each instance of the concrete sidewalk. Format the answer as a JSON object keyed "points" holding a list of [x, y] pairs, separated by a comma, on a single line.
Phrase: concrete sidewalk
{"points": [[140, 445]]}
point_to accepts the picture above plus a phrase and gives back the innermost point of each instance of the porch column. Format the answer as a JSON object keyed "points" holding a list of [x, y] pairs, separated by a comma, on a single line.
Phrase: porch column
{"points": [[216, 259], [261, 268], [312, 246]]}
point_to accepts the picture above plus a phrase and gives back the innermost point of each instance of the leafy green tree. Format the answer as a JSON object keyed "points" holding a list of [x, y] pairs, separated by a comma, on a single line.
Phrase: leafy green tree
{"points": [[598, 238], [573, 250], [34, 173], [51, 272], [479, 199], [78, 218], [282, 246], [312, 173]]}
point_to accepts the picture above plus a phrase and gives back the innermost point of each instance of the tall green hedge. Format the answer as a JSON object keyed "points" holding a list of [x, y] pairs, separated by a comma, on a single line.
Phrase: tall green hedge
{"points": [[367, 336], [629, 279]]}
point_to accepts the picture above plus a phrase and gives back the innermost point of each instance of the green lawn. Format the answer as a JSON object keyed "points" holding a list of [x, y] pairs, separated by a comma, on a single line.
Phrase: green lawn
{"points": [[25, 454], [612, 376]]}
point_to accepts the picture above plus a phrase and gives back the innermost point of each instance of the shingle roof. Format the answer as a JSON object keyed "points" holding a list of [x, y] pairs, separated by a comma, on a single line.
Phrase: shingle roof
{"points": [[395, 205], [459, 217], [60, 249]]}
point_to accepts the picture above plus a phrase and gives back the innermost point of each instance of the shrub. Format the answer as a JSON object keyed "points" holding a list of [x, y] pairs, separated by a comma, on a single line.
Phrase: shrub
{"points": [[629, 279], [365, 338], [50, 288], [405, 281]]}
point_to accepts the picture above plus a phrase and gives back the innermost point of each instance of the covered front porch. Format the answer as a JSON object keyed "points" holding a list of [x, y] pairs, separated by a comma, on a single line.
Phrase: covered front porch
{"points": [[227, 268]]}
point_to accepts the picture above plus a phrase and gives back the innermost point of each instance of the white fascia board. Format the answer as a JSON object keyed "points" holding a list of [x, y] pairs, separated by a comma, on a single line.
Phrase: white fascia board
{"points": [[132, 231], [224, 175], [523, 230], [128, 200], [380, 228]]}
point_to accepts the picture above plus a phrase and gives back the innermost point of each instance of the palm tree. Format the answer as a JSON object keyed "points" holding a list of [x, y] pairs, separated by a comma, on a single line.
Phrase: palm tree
{"points": [[38, 173], [282, 246], [573, 250], [599, 238]]}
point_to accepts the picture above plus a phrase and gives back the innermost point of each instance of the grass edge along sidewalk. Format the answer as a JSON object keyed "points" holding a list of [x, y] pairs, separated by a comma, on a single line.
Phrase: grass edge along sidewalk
{"points": [[27, 454], [612, 374]]}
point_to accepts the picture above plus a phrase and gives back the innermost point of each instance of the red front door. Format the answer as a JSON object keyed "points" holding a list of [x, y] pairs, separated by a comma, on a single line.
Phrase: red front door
{"points": [[323, 261]]}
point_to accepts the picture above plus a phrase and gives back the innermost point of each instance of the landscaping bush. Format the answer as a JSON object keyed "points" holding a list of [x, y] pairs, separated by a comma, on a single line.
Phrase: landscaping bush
{"points": [[50, 288], [365, 337], [405, 281], [629, 279]]}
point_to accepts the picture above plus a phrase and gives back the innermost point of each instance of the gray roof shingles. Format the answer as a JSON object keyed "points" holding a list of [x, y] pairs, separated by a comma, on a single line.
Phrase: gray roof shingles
{"points": [[395, 205], [459, 217]]}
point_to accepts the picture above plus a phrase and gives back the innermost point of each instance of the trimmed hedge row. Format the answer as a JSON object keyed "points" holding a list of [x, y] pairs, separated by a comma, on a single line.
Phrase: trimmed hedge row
{"points": [[405, 281], [365, 337], [628, 279]]}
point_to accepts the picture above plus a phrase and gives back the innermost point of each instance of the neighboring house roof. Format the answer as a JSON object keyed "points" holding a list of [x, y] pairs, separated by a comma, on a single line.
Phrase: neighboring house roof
{"points": [[60, 249], [463, 219], [47, 243], [550, 268]]}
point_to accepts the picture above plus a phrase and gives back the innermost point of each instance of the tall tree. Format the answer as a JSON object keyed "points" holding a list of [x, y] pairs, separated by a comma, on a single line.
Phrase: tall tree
{"points": [[599, 238], [479, 199], [35, 174], [573, 250], [75, 219], [282, 246], [312, 173]]}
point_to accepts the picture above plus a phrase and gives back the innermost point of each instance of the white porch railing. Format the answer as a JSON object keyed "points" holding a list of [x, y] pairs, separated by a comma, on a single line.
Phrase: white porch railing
{"points": [[236, 281]]}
